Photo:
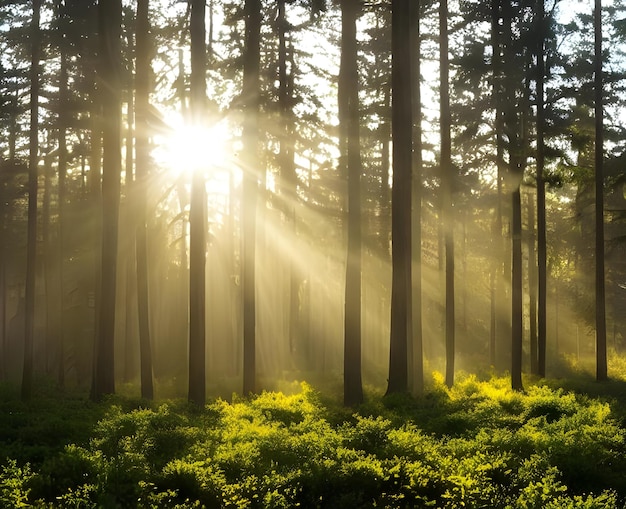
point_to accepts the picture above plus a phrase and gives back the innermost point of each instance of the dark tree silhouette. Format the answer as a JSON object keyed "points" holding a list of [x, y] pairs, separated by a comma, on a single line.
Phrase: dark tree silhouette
{"points": [[349, 117], [142, 161], [109, 25], [197, 217], [402, 130], [447, 186], [541, 197], [512, 127], [416, 373], [250, 138], [33, 162], [601, 358]]}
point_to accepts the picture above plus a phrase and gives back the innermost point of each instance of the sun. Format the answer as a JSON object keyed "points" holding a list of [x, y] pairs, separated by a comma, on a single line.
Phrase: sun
{"points": [[186, 148]]}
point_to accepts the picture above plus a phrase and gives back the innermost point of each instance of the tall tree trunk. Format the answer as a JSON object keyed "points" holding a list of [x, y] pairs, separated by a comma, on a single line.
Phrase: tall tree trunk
{"points": [[447, 184], [499, 319], [109, 21], [288, 174], [47, 253], [250, 136], [541, 200], [130, 252], [416, 373], [197, 218], [33, 161], [532, 286], [402, 130], [142, 83], [516, 291], [513, 128], [95, 193], [601, 357], [62, 171], [352, 383]]}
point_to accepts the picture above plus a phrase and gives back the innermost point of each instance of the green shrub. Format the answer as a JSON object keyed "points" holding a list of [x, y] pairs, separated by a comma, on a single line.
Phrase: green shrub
{"points": [[14, 490], [65, 474]]}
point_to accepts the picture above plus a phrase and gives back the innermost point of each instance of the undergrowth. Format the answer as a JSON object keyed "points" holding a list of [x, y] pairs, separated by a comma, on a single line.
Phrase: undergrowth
{"points": [[479, 444]]}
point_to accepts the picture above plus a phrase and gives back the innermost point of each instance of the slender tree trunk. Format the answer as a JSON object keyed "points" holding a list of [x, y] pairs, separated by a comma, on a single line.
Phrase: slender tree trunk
{"points": [[142, 162], [516, 291], [250, 136], [197, 218], [182, 322], [601, 357], [402, 130], [3, 308], [3, 275], [130, 252], [532, 286], [95, 193], [48, 255], [447, 184], [541, 200], [288, 175], [33, 161], [109, 18], [500, 324], [62, 171], [513, 127], [385, 172], [416, 372], [352, 387]]}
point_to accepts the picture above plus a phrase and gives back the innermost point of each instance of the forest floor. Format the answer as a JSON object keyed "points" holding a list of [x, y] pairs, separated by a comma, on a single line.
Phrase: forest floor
{"points": [[559, 444]]}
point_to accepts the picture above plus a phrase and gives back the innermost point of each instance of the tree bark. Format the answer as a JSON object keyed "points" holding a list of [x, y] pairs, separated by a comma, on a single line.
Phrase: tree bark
{"points": [[516, 291], [352, 390], [62, 171], [447, 184], [142, 162], [532, 286], [109, 21], [250, 137], [33, 161], [402, 130], [197, 217], [416, 373], [541, 200], [601, 356], [513, 127]]}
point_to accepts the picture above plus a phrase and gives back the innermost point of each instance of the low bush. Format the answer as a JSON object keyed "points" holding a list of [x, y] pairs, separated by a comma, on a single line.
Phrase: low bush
{"points": [[478, 444]]}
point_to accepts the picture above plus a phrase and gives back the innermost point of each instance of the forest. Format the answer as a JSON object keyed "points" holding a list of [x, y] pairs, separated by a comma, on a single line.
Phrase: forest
{"points": [[312, 253]]}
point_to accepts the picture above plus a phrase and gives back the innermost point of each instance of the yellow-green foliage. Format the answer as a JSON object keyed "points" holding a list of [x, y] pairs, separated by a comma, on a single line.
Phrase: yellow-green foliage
{"points": [[478, 444]]}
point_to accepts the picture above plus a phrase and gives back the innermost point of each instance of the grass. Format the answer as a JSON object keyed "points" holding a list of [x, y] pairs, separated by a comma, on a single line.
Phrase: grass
{"points": [[479, 444]]}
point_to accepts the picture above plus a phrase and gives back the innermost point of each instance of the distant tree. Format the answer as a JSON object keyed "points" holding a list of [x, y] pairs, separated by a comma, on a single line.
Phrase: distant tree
{"points": [[402, 130], [500, 324], [33, 163], [251, 171], [416, 373], [541, 195], [197, 215], [447, 185], [142, 85], [109, 26], [513, 129], [349, 119], [532, 283], [601, 357], [287, 166]]}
